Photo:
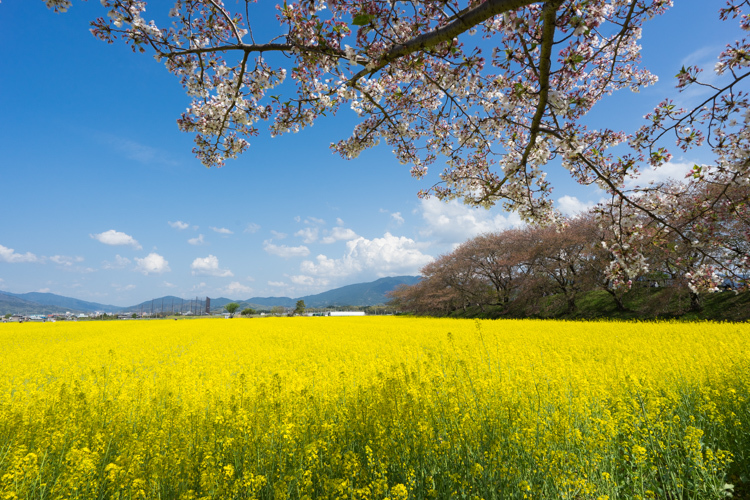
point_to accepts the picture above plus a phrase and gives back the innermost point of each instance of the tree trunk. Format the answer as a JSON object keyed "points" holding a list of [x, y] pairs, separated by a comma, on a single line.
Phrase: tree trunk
{"points": [[696, 304], [571, 302], [619, 304]]}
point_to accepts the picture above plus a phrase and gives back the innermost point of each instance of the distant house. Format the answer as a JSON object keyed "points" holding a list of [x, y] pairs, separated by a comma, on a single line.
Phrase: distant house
{"points": [[346, 313]]}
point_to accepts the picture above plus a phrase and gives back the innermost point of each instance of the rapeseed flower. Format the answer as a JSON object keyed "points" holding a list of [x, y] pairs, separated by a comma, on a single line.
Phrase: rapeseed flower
{"points": [[373, 408]]}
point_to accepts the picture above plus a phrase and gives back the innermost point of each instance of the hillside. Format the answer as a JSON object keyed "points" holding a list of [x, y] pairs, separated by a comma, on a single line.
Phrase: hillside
{"points": [[10, 304], [167, 303], [359, 294], [67, 303]]}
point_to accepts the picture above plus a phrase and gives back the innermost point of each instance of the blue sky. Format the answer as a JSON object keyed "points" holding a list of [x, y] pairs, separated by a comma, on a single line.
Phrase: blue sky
{"points": [[104, 201]]}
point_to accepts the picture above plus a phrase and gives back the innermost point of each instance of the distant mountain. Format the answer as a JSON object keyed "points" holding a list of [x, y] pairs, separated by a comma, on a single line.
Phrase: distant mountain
{"points": [[360, 294], [255, 302], [272, 301], [67, 303], [168, 303], [47, 303], [10, 304]]}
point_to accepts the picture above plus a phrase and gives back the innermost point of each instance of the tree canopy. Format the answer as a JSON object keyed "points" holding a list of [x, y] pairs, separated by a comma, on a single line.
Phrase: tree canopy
{"points": [[533, 272], [231, 308], [494, 110], [300, 307]]}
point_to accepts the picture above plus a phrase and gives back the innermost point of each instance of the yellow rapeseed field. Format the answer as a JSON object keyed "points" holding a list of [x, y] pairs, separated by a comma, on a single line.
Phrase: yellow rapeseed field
{"points": [[374, 408]]}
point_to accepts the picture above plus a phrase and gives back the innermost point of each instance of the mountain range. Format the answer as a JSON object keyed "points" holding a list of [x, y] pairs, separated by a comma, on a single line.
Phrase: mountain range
{"points": [[360, 294]]}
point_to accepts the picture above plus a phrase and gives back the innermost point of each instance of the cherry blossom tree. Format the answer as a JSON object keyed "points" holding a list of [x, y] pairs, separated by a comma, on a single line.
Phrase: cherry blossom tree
{"points": [[495, 109], [426, 297], [564, 258], [500, 259]]}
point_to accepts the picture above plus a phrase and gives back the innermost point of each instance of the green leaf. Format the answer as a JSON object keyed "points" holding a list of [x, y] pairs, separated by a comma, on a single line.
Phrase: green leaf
{"points": [[363, 19]]}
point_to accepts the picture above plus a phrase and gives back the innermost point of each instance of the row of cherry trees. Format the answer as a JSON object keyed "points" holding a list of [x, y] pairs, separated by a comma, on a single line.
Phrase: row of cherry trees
{"points": [[497, 112], [516, 268]]}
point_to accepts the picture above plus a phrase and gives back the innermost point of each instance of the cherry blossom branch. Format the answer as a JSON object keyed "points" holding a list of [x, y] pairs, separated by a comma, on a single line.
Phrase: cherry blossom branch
{"points": [[229, 20], [464, 21]]}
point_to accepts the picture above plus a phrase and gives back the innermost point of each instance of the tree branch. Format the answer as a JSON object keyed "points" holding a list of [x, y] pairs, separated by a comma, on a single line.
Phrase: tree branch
{"points": [[468, 18]]}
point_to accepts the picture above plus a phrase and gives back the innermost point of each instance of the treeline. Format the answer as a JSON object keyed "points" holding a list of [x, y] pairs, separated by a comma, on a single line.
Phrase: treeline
{"points": [[520, 272]]}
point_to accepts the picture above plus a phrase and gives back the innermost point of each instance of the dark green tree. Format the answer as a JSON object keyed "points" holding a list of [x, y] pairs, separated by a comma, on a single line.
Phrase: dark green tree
{"points": [[248, 311], [232, 308], [300, 308]]}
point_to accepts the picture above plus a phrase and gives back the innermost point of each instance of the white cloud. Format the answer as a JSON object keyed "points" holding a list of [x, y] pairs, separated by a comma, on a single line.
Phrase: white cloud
{"points": [[65, 260], [252, 228], [339, 234], [303, 280], [119, 263], [671, 170], [67, 263], [384, 256], [43, 290], [221, 230], [310, 234], [285, 251], [308, 283], [113, 237], [209, 266], [276, 283], [197, 240], [339, 221], [396, 216], [235, 287], [312, 220], [179, 225], [152, 263], [454, 222], [168, 284], [278, 235], [570, 205], [10, 255]]}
